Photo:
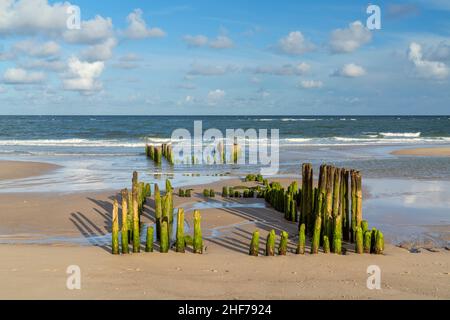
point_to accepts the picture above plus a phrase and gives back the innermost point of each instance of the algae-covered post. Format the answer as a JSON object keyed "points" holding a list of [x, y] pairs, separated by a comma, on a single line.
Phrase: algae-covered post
{"points": [[198, 241], [254, 244], [158, 211], [301, 240], [180, 242], [164, 242], [149, 242], [282, 249], [125, 240], [136, 231], [359, 247], [270, 244], [115, 228]]}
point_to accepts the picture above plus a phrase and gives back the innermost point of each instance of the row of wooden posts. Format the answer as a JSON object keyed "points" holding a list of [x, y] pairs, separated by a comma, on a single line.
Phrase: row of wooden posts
{"points": [[132, 209], [157, 153], [331, 212]]}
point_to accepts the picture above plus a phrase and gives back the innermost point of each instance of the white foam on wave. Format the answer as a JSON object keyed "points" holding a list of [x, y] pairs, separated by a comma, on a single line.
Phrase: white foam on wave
{"points": [[72, 143], [401, 134]]}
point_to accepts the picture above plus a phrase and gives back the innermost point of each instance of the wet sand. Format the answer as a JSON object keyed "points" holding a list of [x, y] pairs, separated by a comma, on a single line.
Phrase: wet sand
{"points": [[21, 169], [425, 152], [45, 233]]}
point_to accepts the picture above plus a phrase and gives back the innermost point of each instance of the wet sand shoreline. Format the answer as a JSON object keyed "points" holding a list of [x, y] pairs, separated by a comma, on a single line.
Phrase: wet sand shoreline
{"points": [[10, 170], [424, 152]]}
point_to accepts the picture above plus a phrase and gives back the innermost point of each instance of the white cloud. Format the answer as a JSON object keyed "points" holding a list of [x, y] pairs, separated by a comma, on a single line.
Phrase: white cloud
{"points": [[100, 52], [311, 84], [22, 76], [83, 75], [30, 17], [210, 70], [35, 49], [137, 27], [285, 70], [441, 52], [221, 42], [350, 70], [350, 39], [215, 96], [92, 31], [55, 65], [426, 68], [295, 44], [196, 41]]}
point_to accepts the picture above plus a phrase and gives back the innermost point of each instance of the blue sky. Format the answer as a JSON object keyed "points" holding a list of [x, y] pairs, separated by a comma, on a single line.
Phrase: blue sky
{"points": [[224, 57]]}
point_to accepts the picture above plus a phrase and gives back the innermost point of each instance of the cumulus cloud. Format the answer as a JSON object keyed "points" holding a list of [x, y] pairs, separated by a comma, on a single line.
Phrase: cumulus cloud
{"points": [[311, 84], [350, 70], [52, 64], [285, 70], [100, 52], [83, 75], [426, 68], [22, 76], [30, 17], [35, 49], [440, 52], [92, 31], [349, 39], [197, 41], [137, 27], [294, 44], [215, 96]]}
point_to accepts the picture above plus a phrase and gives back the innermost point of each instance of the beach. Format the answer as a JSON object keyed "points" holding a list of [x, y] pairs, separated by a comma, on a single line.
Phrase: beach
{"points": [[73, 229], [56, 200]]}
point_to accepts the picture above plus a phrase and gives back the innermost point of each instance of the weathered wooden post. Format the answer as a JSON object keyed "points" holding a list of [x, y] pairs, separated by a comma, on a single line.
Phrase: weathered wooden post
{"points": [[337, 214], [307, 200], [345, 204], [326, 244], [379, 245], [125, 240], [136, 226], [254, 245], [315, 244], [364, 226], [367, 241], [359, 248], [282, 249], [149, 242], [359, 214], [180, 242], [328, 211], [164, 242], [115, 228], [270, 244], [301, 239], [198, 241]]}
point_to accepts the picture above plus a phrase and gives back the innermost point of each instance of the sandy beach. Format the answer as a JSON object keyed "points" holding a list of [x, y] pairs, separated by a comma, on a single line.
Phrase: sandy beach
{"points": [[21, 169], [425, 152], [44, 233]]}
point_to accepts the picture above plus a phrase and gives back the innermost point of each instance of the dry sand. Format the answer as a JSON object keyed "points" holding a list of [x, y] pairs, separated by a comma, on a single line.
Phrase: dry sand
{"points": [[426, 152], [20, 170], [225, 271]]}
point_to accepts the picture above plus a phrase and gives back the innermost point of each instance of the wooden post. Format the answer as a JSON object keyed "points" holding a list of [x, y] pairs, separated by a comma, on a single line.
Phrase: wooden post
{"points": [[353, 205], [136, 226], [149, 242], [359, 214], [367, 241], [115, 228], [301, 240], [282, 249], [270, 244], [328, 211], [346, 205], [198, 241], [364, 226], [379, 244], [315, 244], [307, 197], [135, 178], [326, 244], [359, 247], [180, 243], [254, 245], [125, 240], [164, 242]]}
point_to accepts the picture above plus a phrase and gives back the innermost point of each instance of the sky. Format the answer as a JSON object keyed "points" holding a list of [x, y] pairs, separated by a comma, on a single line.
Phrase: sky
{"points": [[204, 57]]}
